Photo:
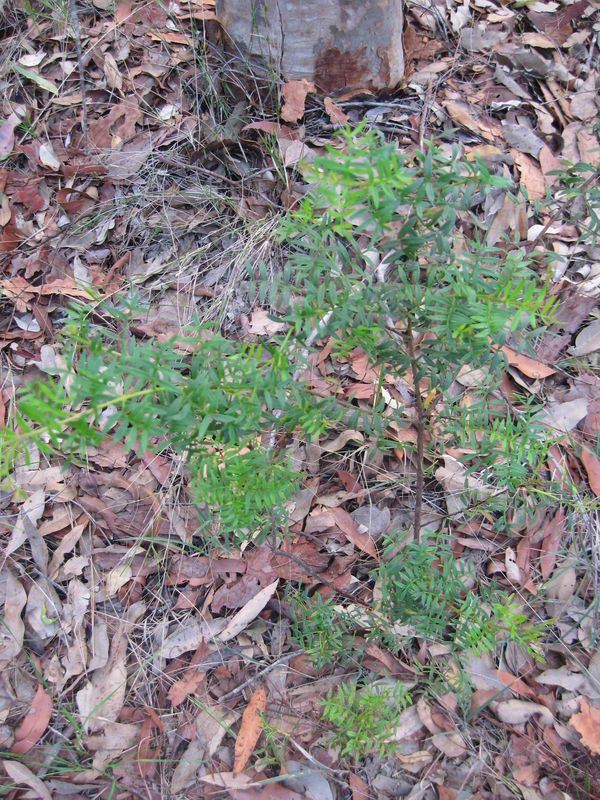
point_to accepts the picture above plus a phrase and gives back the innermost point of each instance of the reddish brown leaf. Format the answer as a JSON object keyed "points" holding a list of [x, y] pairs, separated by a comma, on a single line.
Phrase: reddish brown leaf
{"points": [[250, 729], [592, 467], [192, 678], [74, 201], [335, 113], [359, 787], [30, 197], [361, 540], [551, 543], [517, 685], [294, 96], [587, 724], [281, 131], [348, 481], [119, 122], [11, 237], [391, 665], [35, 722], [548, 163], [159, 466], [528, 366], [171, 38], [531, 175], [147, 754]]}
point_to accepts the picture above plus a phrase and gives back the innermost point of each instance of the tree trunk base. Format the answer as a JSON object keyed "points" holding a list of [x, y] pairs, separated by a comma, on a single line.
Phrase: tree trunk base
{"points": [[336, 44]]}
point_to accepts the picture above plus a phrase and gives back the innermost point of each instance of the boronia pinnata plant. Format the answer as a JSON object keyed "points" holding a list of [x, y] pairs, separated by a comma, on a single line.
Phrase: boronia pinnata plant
{"points": [[386, 253]]}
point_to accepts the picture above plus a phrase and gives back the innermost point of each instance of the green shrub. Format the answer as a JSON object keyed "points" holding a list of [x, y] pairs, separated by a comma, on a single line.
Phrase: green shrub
{"points": [[363, 718], [386, 253]]}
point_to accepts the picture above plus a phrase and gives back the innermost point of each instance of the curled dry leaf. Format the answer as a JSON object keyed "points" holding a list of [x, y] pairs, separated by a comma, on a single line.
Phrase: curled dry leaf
{"points": [[48, 158], [587, 341], [587, 724], [250, 729]]}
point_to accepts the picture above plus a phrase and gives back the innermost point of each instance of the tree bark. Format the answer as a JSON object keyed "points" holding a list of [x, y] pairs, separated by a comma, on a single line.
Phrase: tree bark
{"points": [[336, 44]]}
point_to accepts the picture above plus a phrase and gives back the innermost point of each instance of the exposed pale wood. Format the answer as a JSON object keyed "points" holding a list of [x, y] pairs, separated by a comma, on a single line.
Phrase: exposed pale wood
{"points": [[337, 44]]}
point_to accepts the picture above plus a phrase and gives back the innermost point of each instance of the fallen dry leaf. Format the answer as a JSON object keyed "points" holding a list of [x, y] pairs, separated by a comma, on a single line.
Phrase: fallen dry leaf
{"points": [[101, 699], [528, 366], [48, 158], [532, 176], [563, 417], [13, 629], [248, 613], [592, 467], [34, 723], [114, 79], [7, 135], [587, 725], [583, 102], [359, 787], [250, 729], [261, 325], [551, 543], [516, 712], [350, 527], [19, 773], [150, 744], [192, 678], [294, 96], [587, 341], [335, 113]]}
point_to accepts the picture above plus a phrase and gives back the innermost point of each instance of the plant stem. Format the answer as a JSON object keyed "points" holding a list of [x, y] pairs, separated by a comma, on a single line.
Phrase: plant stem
{"points": [[420, 433]]}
